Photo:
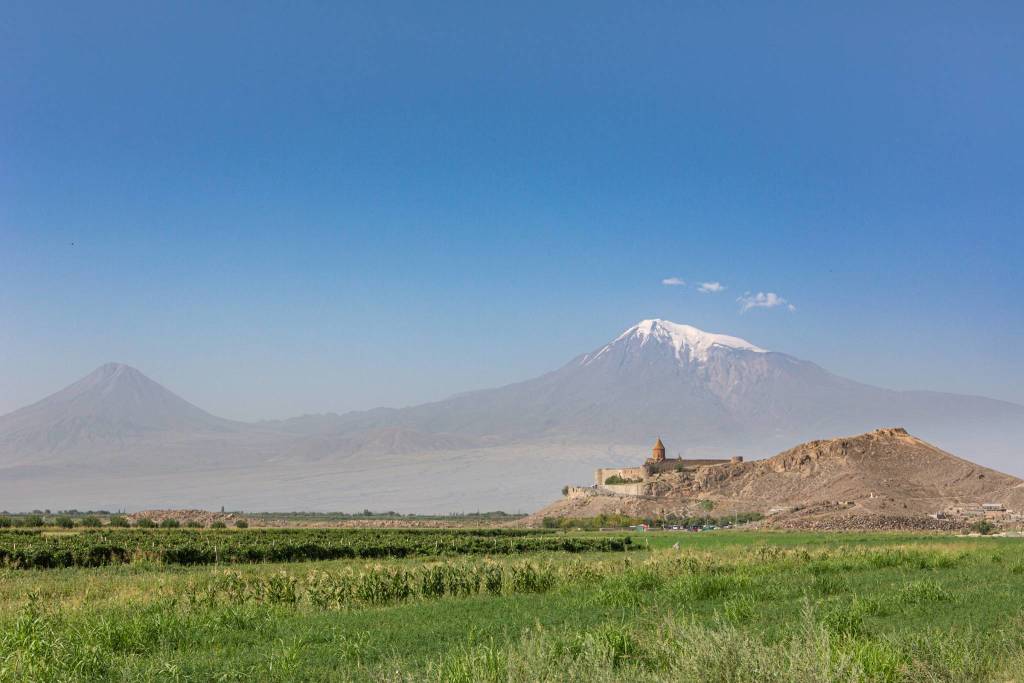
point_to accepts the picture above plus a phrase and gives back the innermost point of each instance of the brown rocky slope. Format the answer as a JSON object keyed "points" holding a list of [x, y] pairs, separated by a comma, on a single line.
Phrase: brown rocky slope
{"points": [[887, 473]]}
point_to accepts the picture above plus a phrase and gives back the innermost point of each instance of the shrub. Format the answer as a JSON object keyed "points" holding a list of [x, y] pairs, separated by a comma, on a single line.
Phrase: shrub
{"points": [[218, 525], [845, 618], [744, 517], [91, 521], [919, 592], [6, 522], [146, 523], [690, 587], [983, 526], [32, 520], [194, 524], [119, 521], [827, 584], [170, 523], [616, 479], [565, 490], [241, 524], [707, 505], [739, 609], [64, 521]]}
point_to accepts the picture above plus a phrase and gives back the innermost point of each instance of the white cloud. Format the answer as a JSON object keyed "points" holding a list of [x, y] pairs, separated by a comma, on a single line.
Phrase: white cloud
{"points": [[673, 282], [763, 300], [710, 287]]}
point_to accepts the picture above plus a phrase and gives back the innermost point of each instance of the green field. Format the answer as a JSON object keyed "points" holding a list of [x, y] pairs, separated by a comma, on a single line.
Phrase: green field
{"points": [[38, 549], [724, 606]]}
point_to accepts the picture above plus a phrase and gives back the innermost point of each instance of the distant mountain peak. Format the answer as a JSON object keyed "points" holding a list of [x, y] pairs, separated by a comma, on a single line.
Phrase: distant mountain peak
{"points": [[112, 367], [110, 370], [115, 377], [688, 342], [112, 403]]}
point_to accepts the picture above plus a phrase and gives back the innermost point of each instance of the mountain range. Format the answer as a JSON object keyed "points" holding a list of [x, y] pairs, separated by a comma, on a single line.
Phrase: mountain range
{"points": [[118, 439]]}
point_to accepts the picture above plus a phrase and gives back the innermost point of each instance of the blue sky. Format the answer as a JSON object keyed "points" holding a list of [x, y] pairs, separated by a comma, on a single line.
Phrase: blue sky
{"points": [[279, 208]]}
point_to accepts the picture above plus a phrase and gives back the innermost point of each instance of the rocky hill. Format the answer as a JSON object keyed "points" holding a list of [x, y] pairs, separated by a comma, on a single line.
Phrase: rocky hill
{"points": [[883, 473]]}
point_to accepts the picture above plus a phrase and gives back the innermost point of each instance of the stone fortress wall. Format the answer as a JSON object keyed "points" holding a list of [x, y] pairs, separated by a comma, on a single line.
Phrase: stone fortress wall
{"points": [[601, 475], [673, 464]]}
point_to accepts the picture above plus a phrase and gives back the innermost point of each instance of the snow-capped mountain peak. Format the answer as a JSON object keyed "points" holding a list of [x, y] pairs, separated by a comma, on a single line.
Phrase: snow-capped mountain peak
{"points": [[688, 342]]}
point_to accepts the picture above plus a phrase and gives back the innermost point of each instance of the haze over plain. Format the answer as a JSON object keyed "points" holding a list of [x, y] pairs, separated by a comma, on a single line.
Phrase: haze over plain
{"points": [[116, 436]]}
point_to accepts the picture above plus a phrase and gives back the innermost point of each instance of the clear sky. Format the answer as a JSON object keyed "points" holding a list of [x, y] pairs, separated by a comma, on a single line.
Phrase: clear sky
{"points": [[280, 208]]}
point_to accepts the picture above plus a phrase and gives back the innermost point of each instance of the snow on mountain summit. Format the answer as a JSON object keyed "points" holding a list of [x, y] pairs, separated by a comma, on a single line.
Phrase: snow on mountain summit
{"points": [[687, 341]]}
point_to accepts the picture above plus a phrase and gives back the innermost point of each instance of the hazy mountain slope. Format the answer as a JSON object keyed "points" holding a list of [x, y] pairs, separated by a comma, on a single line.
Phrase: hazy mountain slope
{"points": [[703, 393], [111, 406]]}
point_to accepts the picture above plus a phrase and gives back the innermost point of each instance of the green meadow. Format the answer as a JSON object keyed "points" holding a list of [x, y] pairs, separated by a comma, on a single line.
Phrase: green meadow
{"points": [[722, 606]]}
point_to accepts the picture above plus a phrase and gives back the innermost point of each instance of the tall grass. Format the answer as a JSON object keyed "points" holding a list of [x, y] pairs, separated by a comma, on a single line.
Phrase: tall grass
{"points": [[379, 585], [833, 610], [687, 650]]}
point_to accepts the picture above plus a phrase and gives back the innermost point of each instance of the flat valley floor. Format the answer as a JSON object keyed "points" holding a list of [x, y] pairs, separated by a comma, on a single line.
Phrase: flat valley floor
{"points": [[722, 606]]}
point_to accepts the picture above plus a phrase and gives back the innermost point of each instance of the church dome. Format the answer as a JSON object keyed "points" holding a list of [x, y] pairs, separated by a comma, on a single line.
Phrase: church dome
{"points": [[658, 452]]}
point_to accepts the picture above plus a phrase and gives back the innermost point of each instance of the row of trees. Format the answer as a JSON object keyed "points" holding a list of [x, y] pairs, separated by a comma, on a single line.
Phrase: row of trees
{"points": [[606, 521], [171, 523], [94, 522]]}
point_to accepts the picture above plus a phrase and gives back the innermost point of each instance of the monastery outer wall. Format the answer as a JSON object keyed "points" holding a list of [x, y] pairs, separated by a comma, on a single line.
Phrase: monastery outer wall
{"points": [[675, 464], [572, 492], [624, 489], [624, 472], [707, 462]]}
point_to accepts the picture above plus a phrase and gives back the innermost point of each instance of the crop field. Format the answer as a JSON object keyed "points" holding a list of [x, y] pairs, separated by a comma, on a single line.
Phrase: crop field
{"points": [[722, 606], [37, 549]]}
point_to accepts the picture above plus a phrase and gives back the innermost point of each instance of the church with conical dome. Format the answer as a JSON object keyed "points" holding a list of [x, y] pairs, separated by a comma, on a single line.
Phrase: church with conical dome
{"points": [[658, 452], [659, 463], [631, 480]]}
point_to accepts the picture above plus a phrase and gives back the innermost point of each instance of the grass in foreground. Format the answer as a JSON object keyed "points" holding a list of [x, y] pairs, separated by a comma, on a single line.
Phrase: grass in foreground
{"points": [[723, 607]]}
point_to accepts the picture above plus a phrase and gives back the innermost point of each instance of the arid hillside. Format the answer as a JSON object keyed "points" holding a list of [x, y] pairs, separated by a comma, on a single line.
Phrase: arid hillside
{"points": [[887, 472]]}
